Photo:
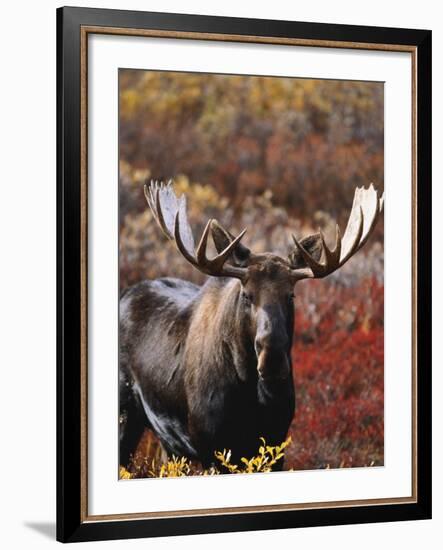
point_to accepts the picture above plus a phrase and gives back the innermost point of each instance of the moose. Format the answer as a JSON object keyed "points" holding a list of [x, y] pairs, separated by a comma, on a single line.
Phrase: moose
{"points": [[208, 367]]}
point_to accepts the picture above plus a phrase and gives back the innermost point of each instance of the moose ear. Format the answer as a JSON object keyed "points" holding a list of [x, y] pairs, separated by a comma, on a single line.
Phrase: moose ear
{"points": [[223, 238], [312, 245]]}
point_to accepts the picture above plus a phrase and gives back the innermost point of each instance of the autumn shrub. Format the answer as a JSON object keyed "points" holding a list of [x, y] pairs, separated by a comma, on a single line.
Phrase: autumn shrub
{"points": [[143, 466], [338, 361], [309, 142]]}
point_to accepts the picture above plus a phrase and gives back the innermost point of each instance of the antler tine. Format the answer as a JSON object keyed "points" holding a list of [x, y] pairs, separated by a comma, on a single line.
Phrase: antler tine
{"points": [[334, 255], [366, 209], [170, 214], [159, 211], [201, 248], [221, 258], [331, 256], [216, 266], [378, 211], [149, 196], [152, 189], [354, 246], [315, 266]]}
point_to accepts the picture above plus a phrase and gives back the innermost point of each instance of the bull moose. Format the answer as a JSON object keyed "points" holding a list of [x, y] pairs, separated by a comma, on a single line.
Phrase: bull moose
{"points": [[208, 367]]}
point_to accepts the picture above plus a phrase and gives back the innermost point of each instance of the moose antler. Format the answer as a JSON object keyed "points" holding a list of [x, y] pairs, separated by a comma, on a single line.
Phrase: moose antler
{"points": [[366, 208], [170, 213]]}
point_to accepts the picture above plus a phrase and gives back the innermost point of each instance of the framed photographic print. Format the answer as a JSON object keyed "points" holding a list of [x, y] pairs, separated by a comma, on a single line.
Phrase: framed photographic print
{"points": [[244, 274]]}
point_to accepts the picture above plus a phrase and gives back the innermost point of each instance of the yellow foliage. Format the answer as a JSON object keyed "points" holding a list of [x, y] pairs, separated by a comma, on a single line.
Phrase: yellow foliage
{"points": [[124, 474], [263, 462], [176, 467], [266, 458], [198, 196]]}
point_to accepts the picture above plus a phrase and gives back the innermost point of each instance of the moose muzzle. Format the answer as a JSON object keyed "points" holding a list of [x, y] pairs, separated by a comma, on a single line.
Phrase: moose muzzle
{"points": [[272, 343]]}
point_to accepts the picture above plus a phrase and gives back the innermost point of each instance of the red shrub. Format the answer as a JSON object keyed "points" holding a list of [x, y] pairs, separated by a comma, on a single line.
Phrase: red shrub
{"points": [[338, 355]]}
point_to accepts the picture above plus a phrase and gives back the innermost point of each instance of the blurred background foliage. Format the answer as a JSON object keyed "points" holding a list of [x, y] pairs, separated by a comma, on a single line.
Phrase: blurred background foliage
{"points": [[309, 142], [274, 155]]}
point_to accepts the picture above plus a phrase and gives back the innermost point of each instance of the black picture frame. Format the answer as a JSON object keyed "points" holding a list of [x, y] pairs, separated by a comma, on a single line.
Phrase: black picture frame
{"points": [[71, 522]]}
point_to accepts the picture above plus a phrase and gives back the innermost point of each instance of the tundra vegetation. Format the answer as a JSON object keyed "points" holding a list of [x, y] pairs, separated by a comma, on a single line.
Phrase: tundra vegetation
{"points": [[278, 156]]}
